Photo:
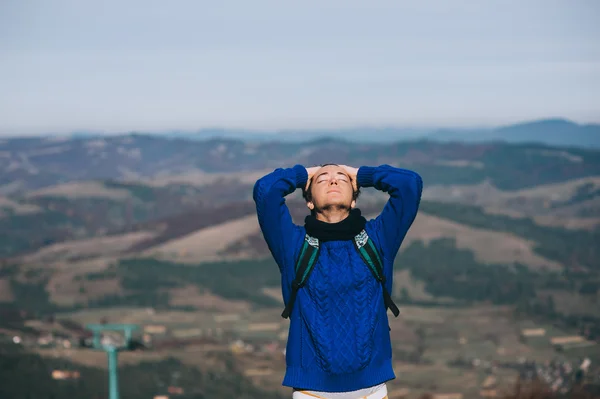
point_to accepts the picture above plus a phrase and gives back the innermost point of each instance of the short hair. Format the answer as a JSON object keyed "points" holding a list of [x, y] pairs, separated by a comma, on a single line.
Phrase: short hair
{"points": [[307, 195]]}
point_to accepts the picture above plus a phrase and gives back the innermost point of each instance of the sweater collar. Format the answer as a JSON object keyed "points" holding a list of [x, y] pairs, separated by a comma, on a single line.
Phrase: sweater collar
{"points": [[343, 230]]}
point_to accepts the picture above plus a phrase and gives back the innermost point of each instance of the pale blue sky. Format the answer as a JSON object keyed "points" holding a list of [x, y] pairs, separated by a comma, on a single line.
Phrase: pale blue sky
{"points": [[147, 65]]}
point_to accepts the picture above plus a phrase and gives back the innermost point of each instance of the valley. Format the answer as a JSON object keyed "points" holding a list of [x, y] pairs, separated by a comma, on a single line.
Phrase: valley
{"points": [[498, 276]]}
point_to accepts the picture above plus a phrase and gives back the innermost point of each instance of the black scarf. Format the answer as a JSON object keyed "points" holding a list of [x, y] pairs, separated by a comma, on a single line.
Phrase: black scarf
{"points": [[342, 231]]}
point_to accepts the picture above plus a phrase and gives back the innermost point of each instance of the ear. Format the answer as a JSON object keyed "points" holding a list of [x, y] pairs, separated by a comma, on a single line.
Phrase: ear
{"points": [[310, 205], [353, 204]]}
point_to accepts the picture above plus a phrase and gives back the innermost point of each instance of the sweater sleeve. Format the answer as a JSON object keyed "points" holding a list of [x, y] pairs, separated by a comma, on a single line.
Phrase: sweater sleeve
{"points": [[405, 188], [273, 214]]}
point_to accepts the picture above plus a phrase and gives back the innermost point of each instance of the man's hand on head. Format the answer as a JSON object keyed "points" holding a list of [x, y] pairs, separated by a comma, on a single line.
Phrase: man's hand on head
{"points": [[311, 173], [352, 172]]}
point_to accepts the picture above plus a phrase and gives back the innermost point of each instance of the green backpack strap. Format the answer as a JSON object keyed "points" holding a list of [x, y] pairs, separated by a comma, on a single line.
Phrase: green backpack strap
{"points": [[304, 266], [366, 248], [308, 258]]}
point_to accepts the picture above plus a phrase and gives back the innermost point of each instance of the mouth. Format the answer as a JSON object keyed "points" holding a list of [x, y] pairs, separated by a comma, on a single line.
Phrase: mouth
{"points": [[334, 191]]}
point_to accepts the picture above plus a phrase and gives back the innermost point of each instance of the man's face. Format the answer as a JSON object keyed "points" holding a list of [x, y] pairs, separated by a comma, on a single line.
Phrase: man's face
{"points": [[331, 187]]}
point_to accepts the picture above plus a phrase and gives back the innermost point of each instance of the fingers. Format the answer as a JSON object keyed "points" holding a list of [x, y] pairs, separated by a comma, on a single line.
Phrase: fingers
{"points": [[354, 183], [311, 172], [352, 172]]}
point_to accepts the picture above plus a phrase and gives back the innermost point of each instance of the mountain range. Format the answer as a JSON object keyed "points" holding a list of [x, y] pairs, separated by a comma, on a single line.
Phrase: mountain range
{"points": [[162, 231], [549, 131], [34, 163], [555, 131]]}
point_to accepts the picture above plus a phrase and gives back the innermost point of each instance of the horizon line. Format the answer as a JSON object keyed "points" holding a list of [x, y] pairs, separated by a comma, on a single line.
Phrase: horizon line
{"points": [[5, 132]]}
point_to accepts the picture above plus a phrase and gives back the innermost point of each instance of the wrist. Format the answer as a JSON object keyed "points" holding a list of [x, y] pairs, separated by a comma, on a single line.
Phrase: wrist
{"points": [[364, 176], [301, 176]]}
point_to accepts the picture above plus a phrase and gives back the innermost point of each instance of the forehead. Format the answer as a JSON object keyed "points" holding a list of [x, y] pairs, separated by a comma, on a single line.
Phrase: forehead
{"points": [[331, 169]]}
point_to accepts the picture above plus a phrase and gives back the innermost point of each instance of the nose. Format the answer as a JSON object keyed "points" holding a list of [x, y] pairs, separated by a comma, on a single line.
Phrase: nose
{"points": [[333, 180]]}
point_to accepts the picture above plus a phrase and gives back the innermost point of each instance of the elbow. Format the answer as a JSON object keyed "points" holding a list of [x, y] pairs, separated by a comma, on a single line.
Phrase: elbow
{"points": [[414, 175], [264, 189], [414, 178], [418, 182], [413, 183], [263, 186], [407, 174], [258, 190]]}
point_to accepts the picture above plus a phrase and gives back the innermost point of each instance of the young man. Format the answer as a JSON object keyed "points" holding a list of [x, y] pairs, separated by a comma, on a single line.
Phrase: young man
{"points": [[339, 337]]}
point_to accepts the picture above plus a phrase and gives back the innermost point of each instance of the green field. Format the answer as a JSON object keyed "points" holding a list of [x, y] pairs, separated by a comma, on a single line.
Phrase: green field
{"points": [[479, 336]]}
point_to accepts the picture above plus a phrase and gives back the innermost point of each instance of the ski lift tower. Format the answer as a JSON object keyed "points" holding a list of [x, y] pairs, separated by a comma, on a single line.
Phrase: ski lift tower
{"points": [[112, 349]]}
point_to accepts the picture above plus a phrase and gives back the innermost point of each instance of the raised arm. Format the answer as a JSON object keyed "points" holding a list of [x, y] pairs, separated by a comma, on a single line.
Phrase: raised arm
{"points": [[405, 188], [273, 214]]}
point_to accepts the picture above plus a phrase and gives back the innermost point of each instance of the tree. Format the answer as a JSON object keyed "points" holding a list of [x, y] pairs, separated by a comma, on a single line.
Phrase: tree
{"points": [[404, 295], [421, 345]]}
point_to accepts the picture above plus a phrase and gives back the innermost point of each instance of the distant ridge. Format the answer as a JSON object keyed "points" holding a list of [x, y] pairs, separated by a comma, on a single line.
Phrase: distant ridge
{"points": [[560, 132], [34, 163], [551, 131]]}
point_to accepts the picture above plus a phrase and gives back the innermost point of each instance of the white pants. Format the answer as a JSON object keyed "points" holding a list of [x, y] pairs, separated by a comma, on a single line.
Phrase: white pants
{"points": [[376, 392]]}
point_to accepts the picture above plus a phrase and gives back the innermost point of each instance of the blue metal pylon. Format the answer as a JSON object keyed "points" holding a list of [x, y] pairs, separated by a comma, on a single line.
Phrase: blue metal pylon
{"points": [[112, 351]]}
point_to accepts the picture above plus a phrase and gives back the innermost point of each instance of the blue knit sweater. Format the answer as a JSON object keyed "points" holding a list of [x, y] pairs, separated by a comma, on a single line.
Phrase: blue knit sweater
{"points": [[339, 337]]}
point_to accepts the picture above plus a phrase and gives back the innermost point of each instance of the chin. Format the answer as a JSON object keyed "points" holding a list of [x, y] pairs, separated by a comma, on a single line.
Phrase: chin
{"points": [[338, 206]]}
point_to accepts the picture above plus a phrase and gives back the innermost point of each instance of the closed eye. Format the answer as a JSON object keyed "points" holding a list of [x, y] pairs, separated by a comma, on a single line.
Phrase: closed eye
{"points": [[343, 178], [339, 176]]}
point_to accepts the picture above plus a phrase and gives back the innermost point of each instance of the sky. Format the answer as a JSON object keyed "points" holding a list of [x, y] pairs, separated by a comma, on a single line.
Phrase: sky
{"points": [[117, 66]]}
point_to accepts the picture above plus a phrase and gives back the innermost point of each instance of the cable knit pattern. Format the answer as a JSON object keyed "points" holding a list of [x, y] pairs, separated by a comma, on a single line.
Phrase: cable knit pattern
{"points": [[339, 309], [339, 338], [368, 297]]}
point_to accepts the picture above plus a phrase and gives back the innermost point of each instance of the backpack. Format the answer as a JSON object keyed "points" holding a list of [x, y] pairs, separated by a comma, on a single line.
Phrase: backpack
{"points": [[308, 258]]}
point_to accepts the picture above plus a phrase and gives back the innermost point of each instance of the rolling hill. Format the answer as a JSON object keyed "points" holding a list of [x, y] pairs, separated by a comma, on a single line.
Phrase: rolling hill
{"points": [[82, 272], [37, 163], [163, 232], [554, 132]]}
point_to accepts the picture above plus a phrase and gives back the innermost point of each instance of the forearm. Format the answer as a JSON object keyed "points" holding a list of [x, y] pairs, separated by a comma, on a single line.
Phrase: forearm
{"points": [[270, 189], [390, 179], [405, 188], [272, 212]]}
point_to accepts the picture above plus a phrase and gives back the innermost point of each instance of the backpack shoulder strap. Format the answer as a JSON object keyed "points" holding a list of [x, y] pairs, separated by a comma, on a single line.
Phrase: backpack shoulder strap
{"points": [[366, 248], [304, 266]]}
